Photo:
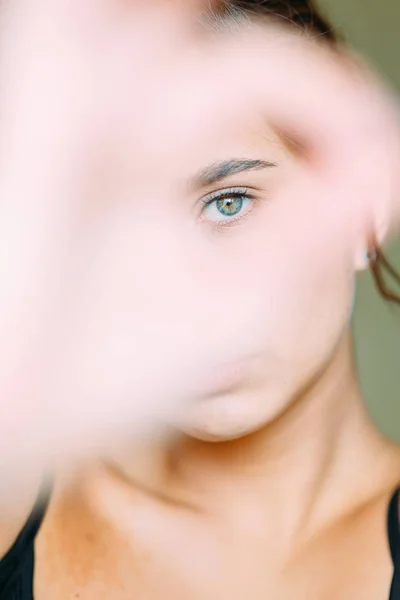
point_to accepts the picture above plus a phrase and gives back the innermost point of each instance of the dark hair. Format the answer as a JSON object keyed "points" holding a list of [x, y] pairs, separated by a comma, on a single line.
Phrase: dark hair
{"points": [[307, 18], [299, 13]]}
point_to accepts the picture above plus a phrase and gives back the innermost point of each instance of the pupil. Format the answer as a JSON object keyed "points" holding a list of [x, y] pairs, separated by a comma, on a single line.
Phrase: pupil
{"points": [[230, 206]]}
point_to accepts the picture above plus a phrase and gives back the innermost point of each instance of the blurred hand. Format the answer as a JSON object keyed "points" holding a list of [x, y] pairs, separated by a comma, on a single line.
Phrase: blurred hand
{"points": [[105, 101]]}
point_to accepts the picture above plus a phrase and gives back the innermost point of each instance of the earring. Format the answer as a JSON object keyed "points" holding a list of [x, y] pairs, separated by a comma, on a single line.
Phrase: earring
{"points": [[371, 255]]}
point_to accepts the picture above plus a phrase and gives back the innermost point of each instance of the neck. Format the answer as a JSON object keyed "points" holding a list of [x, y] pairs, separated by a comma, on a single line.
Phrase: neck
{"points": [[323, 452], [319, 462]]}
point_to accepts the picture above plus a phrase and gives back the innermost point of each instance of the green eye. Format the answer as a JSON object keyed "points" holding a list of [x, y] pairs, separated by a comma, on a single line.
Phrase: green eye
{"points": [[226, 205], [229, 207]]}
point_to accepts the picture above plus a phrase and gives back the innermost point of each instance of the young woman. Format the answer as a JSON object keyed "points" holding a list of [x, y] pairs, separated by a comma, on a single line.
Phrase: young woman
{"points": [[274, 484]]}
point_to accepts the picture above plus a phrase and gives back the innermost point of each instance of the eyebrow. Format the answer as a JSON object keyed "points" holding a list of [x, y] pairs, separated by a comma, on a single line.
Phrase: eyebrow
{"points": [[220, 170]]}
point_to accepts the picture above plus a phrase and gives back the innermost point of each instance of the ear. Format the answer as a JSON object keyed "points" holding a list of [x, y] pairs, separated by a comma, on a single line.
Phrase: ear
{"points": [[374, 235], [383, 221]]}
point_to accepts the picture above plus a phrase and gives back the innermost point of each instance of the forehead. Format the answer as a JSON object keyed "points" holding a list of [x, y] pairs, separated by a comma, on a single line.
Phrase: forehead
{"points": [[201, 122], [249, 150]]}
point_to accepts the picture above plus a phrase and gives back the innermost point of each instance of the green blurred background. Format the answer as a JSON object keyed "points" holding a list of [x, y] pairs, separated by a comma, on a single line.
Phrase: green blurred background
{"points": [[373, 28]]}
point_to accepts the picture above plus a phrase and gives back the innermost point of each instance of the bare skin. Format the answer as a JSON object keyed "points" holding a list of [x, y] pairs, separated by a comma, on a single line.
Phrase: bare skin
{"points": [[218, 511], [295, 510]]}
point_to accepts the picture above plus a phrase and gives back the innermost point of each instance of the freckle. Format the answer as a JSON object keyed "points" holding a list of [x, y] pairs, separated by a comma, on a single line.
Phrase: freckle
{"points": [[90, 537]]}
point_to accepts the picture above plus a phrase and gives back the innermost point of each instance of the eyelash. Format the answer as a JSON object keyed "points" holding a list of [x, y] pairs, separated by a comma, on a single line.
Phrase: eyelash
{"points": [[225, 194]]}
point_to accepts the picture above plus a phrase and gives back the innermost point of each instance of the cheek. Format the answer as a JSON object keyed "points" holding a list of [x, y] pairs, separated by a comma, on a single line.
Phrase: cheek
{"points": [[285, 284]]}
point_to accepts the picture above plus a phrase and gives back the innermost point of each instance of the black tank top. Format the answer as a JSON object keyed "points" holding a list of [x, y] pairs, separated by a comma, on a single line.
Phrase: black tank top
{"points": [[393, 526], [17, 566]]}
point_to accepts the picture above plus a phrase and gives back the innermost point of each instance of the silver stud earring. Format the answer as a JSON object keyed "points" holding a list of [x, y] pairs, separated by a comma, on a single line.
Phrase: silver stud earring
{"points": [[371, 255]]}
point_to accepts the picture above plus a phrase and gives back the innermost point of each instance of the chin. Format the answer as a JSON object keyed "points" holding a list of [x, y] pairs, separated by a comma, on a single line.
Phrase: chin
{"points": [[215, 435], [226, 418]]}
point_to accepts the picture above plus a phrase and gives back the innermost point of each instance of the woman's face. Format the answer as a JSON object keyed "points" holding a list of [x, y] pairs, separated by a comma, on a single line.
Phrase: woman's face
{"points": [[241, 271], [276, 273]]}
